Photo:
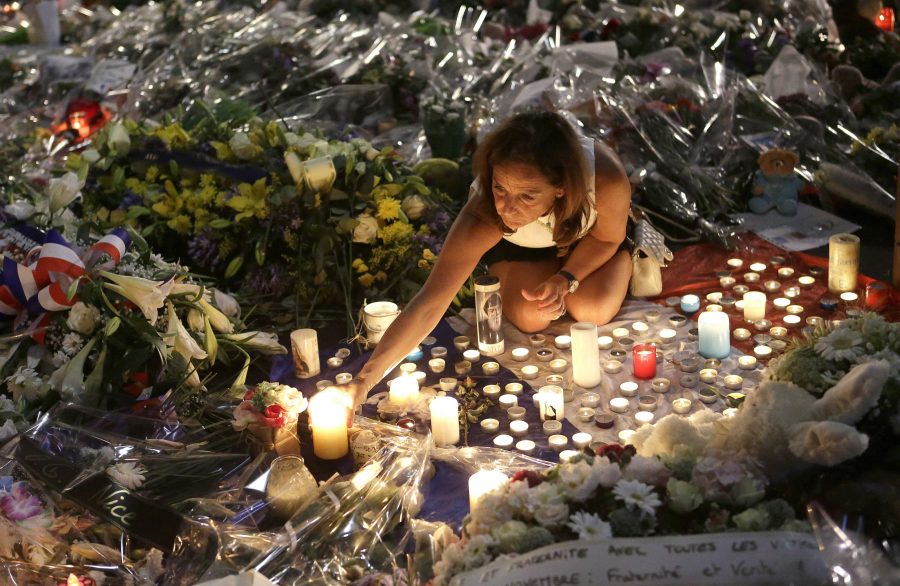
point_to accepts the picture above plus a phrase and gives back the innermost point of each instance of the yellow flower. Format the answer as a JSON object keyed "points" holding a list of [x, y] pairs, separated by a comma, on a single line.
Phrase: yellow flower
{"points": [[423, 264], [135, 185], [362, 268], [388, 190], [381, 276], [118, 217], [396, 232], [180, 223], [357, 262], [152, 173], [366, 280], [173, 135], [388, 209], [427, 254], [167, 206], [252, 201]]}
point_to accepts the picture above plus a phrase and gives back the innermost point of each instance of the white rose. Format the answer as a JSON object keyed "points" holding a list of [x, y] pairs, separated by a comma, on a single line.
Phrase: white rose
{"points": [[605, 472], [244, 415], [63, 191], [367, 229], [553, 515], [241, 145], [647, 470], [413, 206], [83, 318], [577, 480], [226, 303]]}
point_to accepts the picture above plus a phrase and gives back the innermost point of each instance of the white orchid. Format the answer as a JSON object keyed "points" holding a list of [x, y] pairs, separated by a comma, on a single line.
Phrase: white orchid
{"points": [[63, 191], [148, 295]]}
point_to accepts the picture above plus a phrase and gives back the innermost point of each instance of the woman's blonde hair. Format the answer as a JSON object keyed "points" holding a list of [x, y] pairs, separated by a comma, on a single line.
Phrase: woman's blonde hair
{"points": [[547, 142]]}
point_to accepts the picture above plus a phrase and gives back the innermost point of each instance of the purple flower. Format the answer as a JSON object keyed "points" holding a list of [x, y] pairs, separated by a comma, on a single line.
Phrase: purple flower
{"points": [[129, 200], [439, 222], [19, 504], [204, 251], [266, 280]]}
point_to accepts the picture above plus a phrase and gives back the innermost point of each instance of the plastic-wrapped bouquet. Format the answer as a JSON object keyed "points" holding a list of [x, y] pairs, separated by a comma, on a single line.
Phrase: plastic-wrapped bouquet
{"points": [[270, 413]]}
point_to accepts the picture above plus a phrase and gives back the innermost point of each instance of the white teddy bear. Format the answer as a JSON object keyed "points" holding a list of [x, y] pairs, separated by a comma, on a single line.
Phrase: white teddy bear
{"points": [[781, 425]]}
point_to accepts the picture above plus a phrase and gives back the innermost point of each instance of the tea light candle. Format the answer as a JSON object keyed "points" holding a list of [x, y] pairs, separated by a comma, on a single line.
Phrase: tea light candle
{"points": [[777, 345], [529, 372], [693, 334], [673, 301], [643, 417], [507, 401], [754, 305], [652, 315], [563, 342], [661, 385], [520, 354], [792, 321], [734, 263], [806, 281], [551, 403], [438, 352], [490, 425], [747, 362], [689, 381], [778, 332], [689, 364], [626, 343], [741, 334], [504, 441], [559, 365], [605, 420], [586, 414], [727, 302], [762, 325], [690, 303], [544, 354], [334, 362], [444, 421], [628, 388], [513, 388], [437, 365], [785, 272], [677, 321], [459, 342], [714, 296], [518, 428], [566, 455], [620, 333], [526, 446], [328, 411], [582, 440], [681, 406], [490, 368], [557, 442], [604, 342], [404, 391], [815, 321], [707, 395], [762, 339], [647, 403], [849, 297], [758, 267], [625, 436], [791, 292], [762, 352], [448, 384], [709, 375], [551, 427], [727, 282], [714, 334], [343, 378], [733, 381], [462, 367], [537, 340], [729, 412], [472, 355], [739, 290], [640, 327], [644, 360], [618, 404], [618, 353], [485, 482], [751, 277], [794, 309], [781, 302], [828, 303], [590, 400], [667, 335], [771, 286], [612, 366]]}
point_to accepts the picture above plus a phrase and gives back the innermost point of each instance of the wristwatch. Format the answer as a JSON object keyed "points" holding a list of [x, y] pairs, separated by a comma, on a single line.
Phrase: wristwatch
{"points": [[573, 282]]}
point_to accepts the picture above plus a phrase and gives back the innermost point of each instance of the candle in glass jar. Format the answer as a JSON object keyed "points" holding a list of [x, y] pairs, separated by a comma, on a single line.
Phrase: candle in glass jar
{"points": [[754, 305], [843, 262], [444, 421], [714, 334], [586, 371], [404, 391], [485, 482], [551, 402], [328, 411], [643, 357]]}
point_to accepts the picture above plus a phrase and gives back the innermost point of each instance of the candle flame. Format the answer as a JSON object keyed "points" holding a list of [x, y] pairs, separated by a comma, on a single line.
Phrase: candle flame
{"points": [[73, 580]]}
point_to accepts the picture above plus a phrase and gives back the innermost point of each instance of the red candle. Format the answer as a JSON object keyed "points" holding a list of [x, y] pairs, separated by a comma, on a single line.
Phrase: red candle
{"points": [[885, 20], [877, 295], [644, 358]]}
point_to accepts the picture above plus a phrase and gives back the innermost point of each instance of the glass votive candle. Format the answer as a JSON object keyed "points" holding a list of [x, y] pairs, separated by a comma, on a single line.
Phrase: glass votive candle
{"points": [[785, 272], [792, 321], [537, 340], [520, 354], [681, 406], [791, 292], [472, 355], [552, 426], [640, 328], [491, 392], [652, 315], [529, 372], [585, 414], [438, 352], [660, 385], [758, 267], [689, 380], [490, 425], [544, 354], [690, 303], [733, 382], [676, 321], [437, 365], [526, 446], [590, 400], [806, 281], [507, 401], [324, 384], [771, 286], [727, 282], [628, 388], [335, 362], [734, 263], [563, 342], [618, 404], [557, 442], [667, 335], [741, 334], [849, 297], [459, 342], [794, 309], [612, 366], [462, 367], [605, 420], [739, 290], [504, 441], [625, 436], [778, 332], [620, 333], [643, 358], [582, 440], [518, 428], [709, 375], [762, 352], [447, 384], [747, 362], [604, 342], [648, 403], [751, 277], [559, 365], [343, 378], [762, 325], [513, 388], [490, 368], [643, 417]]}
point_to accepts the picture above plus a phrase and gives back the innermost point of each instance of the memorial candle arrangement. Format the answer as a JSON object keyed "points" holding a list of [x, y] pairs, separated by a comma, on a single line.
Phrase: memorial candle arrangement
{"points": [[714, 334], [586, 371], [328, 411], [444, 421], [643, 357]]}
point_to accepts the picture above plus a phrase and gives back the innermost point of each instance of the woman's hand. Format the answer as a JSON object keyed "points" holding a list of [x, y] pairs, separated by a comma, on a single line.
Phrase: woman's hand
{"points": [[550, 296], [357, 391]]}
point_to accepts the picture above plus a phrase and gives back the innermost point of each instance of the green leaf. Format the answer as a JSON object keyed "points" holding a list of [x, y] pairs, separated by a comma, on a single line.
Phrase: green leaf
{"points": [[220, 223], [212, 344], [234, 266], [118, 177], [137, 239], [112, 325], [260, 252], [93, 384], [173, 168], [73, 289], [137, 212]]}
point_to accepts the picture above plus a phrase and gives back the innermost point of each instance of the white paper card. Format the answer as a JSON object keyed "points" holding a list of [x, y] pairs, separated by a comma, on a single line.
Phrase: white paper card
{"points": [[110, 74], [810, 228]]}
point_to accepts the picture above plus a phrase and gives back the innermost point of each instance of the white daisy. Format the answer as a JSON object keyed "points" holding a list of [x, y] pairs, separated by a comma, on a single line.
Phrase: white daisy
{"points": [[638, 495], [840, 344], [128, 474], [71, 344], [589, 526]]}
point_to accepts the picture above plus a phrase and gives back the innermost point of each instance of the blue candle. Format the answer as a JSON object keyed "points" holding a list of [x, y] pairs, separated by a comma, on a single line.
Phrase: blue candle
{"points": [[828, 303], [690, 303], [415, 355], [714, 334]]}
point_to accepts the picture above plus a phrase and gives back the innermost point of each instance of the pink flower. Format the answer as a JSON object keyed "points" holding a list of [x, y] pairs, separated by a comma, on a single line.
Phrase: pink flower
{"points": [[19, 504]]}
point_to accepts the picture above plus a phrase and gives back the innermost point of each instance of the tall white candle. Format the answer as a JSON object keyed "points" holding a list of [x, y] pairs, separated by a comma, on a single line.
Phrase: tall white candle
{"points": [[714, 334], [444, 421], [485, 482], [551, 402], [328, 418], [404, 391], [305, 351], [754, 305], [586, 371]]}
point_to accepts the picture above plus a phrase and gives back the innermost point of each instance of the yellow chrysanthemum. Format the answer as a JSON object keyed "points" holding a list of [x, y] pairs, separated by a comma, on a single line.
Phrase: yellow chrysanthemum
{"points": [[362, 268], [180, 223], [423, 264], [252, 201], [381, 276], [396, 232], [152, 173], [367, 280], [356, 262], [388, 209]]}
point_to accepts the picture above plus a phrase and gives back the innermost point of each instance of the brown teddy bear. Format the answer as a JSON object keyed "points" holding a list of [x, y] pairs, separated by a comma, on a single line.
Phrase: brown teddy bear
{"points": [[775, 185]]}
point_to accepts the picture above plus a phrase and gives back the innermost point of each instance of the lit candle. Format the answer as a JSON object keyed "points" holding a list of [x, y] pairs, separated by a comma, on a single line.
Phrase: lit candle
{"points": [[404, 391], [778, 332], [462, 367], [566, 455], [758, 267], [628, 388], [785, 272], [559, 365], [667, 335], [485, 482], [771, 286], [733, 382], [729, 412], [714, 334], [661, 385], [604, 342], [343, 378], [526, 446], [563, 342], [551, 427], [305, 351], [586, 414], [754, 305], [328, 411], [762, 352], [640, 327], [690, 303], [518, 428], [620, 333], [551, 403], [713, 307], [444, 421], [492, 392], [806, 281], [618, 404], [618, 354], [490, 368], [791, 292], [504, 441], [681, 406], [815, 321], [734, 263], [740, 289], [529, 372], [557, 442], [751, 277], [585, 355], [612, 366], [490, 425], [513, 388], [644, 360], [472, 355], [781, 302], [643, 417], [708, 375], [507, 401], [582, 440], [334, 362], [520, 354], [437, 365], [625, 436], [714, 296], [792, 321], [843, 262], [590, 400], [727, 282], [849, 297]]}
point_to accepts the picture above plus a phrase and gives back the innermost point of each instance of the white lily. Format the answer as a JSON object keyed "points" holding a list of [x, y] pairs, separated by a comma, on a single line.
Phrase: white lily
{"points": [[294, 165], [178, 339], [265, 342], [195, 320], [218, 320], [63, 191], [68, 379], [182, 288], [226, 303], [148, 295], [118, 138]]}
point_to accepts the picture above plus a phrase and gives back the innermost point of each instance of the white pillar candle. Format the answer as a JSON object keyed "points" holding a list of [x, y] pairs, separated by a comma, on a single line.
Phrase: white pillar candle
{"points": [[551, 402], [586, 371], [714, 334], [404, 391], [305, 351], [754, 305], [328, 412], [485, 482], [444, 421]]}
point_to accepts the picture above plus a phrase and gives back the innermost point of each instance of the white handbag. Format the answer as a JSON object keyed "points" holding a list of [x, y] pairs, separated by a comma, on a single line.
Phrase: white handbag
{"points": [[649, 255]]}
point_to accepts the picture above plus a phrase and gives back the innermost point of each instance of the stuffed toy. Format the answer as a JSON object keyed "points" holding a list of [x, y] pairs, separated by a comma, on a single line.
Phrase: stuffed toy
{"points": [[775, 185], [780, 425]]}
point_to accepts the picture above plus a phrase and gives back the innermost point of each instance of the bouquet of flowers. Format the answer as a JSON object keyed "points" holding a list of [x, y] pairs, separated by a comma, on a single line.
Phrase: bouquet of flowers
{"points": [[445, 126], [270, 413], [616, 493]]}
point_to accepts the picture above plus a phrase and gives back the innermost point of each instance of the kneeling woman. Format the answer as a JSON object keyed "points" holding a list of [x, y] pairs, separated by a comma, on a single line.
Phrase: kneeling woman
{"points": [[548, 212]]}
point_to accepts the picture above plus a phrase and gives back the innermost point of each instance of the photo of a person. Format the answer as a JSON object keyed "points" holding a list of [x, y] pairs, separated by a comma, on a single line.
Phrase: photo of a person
{"points": [[491, 319]]}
